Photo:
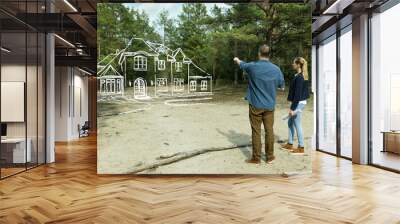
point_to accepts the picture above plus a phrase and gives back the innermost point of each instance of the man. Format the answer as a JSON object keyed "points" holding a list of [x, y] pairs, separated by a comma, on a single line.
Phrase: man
{"points": [[264, 79]]}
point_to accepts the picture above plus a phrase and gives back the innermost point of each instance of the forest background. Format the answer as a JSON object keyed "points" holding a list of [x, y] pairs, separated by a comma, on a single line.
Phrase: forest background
{"points": [[212, 36]]}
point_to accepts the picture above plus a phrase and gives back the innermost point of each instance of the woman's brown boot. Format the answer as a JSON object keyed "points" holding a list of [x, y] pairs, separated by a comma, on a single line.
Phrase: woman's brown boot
{"points": [[298, 150], [287, 146]]}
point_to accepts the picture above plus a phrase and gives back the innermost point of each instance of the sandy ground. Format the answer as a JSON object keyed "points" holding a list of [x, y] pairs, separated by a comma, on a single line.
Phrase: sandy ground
{"points": [[144, 130]]}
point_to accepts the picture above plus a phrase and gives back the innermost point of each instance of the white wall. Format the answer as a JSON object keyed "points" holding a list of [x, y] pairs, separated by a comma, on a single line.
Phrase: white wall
{"points": [[62, 82], [71, 102], [80, 98]]}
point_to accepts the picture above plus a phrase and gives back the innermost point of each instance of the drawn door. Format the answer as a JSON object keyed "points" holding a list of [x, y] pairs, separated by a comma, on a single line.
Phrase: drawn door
{"points": [[140, 88]]}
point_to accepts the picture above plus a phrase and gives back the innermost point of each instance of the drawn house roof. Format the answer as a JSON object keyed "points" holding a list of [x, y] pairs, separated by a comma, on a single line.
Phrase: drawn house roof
{"points": [[145, 53], [109, 72], [179, 51], [149, 50], [154, 49]]}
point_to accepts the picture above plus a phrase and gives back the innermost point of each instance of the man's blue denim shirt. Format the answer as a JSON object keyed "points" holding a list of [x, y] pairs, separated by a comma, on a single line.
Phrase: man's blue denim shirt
{"points": [[264, 79]]}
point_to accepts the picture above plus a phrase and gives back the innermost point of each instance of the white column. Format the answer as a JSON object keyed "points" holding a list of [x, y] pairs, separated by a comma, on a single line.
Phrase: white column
{"points": [[313, 89], [50, 100], [360, 90]]}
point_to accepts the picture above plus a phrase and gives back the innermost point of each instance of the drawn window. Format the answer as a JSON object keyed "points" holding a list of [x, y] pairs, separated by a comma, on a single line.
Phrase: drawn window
{"points": [[178, 66], [161, 81], [192, 85], [140, 63], [203, 85], [102, 85], [178, 84], [161, 65], [110, 83], [118, 87]]}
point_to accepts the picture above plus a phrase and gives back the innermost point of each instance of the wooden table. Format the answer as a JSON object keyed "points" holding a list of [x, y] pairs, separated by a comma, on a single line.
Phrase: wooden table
{"points": [[391, 141]]}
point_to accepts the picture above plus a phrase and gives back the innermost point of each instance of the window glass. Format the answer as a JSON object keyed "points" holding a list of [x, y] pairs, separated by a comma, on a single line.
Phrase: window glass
{"points": [[385, 89], [327, 95], [346, 92]]}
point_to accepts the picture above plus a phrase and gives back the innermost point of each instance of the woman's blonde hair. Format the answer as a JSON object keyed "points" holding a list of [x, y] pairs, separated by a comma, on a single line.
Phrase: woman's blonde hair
{"points": [[303, 65]]}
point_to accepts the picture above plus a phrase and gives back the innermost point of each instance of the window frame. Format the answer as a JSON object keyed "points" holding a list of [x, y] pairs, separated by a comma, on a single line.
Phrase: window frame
{"points": [[161, 65], [192, 87], [140, 63], [178, 66], [203, 85], [336, 36]]}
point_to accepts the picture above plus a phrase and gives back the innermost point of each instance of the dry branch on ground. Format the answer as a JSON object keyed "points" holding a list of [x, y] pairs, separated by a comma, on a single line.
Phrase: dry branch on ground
{"points": [[168, 159]]}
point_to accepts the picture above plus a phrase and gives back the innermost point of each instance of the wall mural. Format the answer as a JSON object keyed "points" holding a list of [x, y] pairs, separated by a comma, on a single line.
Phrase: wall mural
{"points": [[171, 99]]}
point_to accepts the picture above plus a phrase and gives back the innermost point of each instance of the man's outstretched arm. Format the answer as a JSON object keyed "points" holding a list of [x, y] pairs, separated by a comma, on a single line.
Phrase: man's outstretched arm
{"points": [[237, 60], [243, 65]]}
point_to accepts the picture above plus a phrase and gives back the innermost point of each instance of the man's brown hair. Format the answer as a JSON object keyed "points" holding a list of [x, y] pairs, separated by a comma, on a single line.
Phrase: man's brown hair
{"points": [[264, 51]]}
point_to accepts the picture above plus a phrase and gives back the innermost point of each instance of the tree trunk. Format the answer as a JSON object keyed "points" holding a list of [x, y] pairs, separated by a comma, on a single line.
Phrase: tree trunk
{"points": [[215, 77], [98, 48]]}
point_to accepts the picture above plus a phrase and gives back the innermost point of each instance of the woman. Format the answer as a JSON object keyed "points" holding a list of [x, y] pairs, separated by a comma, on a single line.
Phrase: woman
{"points": [[298, 95]]}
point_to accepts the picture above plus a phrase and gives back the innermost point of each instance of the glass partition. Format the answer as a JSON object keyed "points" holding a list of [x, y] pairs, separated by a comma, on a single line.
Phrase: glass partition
{"points": [[22, 87], [13, 94], [32, 97]]}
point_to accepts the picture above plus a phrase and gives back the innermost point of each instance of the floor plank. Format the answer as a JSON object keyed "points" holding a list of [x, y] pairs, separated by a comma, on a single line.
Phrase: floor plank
{"points": [[69, 191]]}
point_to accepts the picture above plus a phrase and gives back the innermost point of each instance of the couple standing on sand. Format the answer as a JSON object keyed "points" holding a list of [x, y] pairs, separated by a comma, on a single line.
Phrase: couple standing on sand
{"points": [[264, 79]]}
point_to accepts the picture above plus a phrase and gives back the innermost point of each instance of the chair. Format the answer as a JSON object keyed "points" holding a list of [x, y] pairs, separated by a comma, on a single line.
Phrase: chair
{"points": [[84, 130]]}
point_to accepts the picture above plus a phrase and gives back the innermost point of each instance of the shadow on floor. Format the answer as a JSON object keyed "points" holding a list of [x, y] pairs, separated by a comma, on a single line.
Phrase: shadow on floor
{"points": [[240, 139], [237, 138]]}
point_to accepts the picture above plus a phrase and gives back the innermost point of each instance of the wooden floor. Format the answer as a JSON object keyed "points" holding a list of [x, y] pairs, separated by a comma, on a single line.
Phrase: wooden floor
{"points": [[387, 159], [69, 191]]}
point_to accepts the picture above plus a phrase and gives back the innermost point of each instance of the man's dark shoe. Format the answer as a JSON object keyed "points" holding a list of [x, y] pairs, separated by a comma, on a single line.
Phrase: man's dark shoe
{"points": [[270, 159], [252, 160]]}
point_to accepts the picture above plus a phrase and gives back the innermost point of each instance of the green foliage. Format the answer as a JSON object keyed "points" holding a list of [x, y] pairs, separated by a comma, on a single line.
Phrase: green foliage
{"points": [[117, 24], [211, 38]]}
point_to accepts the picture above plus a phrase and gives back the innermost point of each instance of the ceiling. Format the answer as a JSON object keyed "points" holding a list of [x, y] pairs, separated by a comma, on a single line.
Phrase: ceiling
{"points": [[329, 13], [74, 22]]}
